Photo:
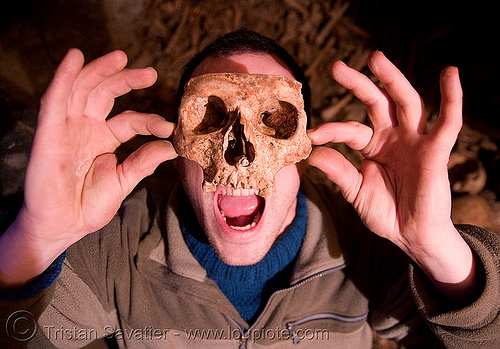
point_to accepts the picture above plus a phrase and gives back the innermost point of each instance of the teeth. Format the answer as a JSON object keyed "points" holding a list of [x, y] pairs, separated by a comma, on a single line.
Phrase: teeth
{"points": [[246, 227], [239, 192]]}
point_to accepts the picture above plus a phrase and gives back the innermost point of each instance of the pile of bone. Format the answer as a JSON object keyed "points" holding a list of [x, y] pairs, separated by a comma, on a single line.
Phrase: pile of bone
{"points": [[473, 170], [315, 32]]}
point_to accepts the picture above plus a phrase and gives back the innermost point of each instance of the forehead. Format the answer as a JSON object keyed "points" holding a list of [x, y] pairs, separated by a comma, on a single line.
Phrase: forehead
{"points": [[249, 63]]}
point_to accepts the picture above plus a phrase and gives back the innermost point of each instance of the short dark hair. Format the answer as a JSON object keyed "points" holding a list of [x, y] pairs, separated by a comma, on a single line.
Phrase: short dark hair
{"points": [[245, 41]]}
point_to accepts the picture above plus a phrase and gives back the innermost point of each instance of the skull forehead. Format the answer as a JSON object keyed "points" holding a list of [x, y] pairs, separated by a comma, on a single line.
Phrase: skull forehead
{"points": [[244, 90]]}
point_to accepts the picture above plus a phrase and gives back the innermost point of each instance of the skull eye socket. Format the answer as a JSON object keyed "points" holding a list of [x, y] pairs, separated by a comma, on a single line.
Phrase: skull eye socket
{"points": [[280, 117], [215, 118]]}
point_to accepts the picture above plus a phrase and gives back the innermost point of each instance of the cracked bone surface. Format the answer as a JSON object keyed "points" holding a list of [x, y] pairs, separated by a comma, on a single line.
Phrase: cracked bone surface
{"points": [[242, 128]]}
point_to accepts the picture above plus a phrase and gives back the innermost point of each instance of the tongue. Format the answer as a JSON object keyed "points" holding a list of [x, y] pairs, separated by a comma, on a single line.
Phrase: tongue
{"points": [[235, 206]]}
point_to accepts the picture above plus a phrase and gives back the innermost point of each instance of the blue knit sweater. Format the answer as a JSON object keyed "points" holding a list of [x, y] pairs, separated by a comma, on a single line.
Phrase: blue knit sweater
{"points": [[248, 287]]}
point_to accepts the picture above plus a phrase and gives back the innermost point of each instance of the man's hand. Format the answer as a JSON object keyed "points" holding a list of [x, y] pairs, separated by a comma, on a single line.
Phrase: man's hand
{"points": [[401, 191], [74, 185]]}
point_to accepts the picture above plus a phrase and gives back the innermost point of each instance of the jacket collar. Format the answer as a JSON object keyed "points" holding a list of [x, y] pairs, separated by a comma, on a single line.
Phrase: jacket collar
{"points": [[321, 249]]}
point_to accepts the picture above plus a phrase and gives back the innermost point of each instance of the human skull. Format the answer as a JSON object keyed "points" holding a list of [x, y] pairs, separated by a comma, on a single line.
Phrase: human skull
{"points": [[242, 128]]}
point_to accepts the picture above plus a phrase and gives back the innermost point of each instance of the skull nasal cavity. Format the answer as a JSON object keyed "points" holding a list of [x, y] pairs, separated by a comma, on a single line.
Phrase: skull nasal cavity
{"points": [[239, 150], [215, 118]]}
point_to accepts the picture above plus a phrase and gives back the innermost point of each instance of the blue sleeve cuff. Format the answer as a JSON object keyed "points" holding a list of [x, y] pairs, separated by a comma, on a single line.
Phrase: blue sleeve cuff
{"points": [[43, 281]]}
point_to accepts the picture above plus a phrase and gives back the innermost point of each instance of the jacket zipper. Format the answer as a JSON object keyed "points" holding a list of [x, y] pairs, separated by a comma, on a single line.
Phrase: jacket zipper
{"points": [[331, 316], [245, 331]]}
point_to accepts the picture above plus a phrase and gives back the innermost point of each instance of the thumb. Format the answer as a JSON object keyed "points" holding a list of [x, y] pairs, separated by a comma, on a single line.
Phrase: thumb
{"points": [[143, 162], [338, 169]]}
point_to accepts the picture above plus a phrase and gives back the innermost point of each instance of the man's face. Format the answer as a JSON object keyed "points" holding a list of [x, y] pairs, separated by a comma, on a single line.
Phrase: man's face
{"points": [[241, 226]]}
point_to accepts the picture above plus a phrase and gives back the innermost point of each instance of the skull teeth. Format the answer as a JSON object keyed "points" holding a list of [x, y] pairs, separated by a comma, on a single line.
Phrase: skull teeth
{"points": [[239, 192]]}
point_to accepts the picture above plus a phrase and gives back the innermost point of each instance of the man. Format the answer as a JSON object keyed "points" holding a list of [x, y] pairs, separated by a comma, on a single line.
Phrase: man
{"points": [[308, 271]]}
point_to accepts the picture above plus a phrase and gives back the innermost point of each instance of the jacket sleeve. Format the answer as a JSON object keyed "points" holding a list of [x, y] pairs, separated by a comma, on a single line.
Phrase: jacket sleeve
{"points": [[43, 281], [20, 308], [58, 309], [65, 314], [78, 308], [478, 324]]}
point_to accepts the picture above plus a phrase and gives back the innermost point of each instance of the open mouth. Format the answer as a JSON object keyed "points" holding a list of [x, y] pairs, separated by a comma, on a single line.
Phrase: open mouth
{"points": [[241, 209]]}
